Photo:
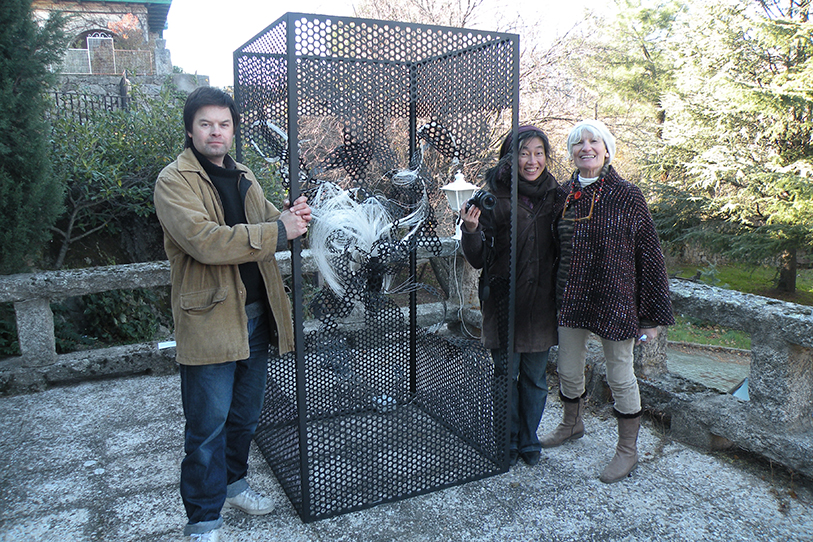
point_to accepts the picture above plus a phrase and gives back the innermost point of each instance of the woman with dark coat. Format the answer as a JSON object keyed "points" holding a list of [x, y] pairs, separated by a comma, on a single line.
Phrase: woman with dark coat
{"points": [[486, 245], [611, 281]]}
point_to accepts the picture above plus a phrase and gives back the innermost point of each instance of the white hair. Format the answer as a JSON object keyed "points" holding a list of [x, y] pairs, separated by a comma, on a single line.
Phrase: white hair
{"points": [[596, 128]]}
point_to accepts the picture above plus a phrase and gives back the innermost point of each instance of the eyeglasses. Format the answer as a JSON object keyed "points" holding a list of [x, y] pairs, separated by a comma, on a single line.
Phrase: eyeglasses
{"points": [[577, 195]]}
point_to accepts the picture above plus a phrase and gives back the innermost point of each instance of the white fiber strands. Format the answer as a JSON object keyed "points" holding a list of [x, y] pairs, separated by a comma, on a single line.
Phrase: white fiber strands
{"points": [[347, 234]]}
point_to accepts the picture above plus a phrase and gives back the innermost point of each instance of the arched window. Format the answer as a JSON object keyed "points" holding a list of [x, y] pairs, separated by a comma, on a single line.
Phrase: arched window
{"points": [[81, 41]]}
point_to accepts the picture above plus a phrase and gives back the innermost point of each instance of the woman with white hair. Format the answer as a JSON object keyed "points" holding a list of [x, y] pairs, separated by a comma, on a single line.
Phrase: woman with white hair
{"points": [[611, 281]]}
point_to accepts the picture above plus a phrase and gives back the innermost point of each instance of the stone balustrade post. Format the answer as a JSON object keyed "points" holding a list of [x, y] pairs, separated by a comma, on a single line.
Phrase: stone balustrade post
{"points": [[650, 357], [35, 332], [781, 379]]}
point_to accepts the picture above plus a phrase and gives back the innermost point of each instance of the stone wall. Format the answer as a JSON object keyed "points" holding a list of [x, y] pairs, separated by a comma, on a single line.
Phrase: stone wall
{"points": [[39, 366], [108, 85], [776, 423]]}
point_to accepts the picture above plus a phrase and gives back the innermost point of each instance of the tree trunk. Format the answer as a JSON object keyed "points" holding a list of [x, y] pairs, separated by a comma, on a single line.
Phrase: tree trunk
{"points": [[787, 272]]}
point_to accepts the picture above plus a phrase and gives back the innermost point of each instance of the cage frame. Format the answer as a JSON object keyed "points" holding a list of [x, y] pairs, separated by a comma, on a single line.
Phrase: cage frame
{"points": [[301, 496]]}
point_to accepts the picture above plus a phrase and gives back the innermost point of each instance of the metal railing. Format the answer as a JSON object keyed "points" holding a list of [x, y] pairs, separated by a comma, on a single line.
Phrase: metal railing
{"points": [[82, 106], [107, 61]]}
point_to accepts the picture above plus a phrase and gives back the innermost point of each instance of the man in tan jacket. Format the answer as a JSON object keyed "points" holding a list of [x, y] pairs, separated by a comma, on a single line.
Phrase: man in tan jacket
{"points": [[228, 303]]}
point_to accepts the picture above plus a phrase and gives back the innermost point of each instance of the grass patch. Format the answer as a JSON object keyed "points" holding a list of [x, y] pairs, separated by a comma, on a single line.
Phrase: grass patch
{"points": [[759, 280], [693, 330]]}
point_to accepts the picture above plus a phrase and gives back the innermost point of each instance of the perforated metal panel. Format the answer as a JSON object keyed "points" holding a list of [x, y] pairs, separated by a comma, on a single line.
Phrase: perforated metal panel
{"points": [[372, 408]]}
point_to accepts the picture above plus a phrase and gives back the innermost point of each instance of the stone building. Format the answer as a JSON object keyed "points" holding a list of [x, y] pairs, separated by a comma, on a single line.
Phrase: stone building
{"points": [[113, 37], [110, 37]]}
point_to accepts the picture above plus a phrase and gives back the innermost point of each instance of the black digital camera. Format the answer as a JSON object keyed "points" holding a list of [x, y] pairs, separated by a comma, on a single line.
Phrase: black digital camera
{"points": [[482, 199]]}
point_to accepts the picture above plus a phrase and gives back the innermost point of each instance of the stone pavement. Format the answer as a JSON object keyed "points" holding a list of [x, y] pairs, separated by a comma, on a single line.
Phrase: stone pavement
{"points": [[99, 461]]}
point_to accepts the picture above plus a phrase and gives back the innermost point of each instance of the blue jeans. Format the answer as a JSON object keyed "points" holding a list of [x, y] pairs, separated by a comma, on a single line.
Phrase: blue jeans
{"points": [[222, 405], [528, 398]]}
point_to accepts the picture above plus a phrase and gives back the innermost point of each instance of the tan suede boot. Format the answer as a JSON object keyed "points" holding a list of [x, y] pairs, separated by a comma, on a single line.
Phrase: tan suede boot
{"points": [[571, 427], [626, 451]]}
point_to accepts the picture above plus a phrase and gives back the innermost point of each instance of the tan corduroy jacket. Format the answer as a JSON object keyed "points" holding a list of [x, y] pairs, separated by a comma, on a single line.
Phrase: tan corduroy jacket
{"points": [[208, 296]]}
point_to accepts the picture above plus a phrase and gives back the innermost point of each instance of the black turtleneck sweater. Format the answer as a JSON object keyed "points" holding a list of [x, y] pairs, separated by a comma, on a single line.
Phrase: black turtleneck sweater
{"points": [[232, 186]]}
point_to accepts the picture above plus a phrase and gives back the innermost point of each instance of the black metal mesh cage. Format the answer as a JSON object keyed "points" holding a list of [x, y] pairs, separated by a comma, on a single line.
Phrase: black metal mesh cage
{"points": [[372, 408]]}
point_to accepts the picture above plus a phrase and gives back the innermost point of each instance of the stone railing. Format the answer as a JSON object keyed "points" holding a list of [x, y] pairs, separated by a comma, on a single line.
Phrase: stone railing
{"points": [[32, 295], [775, 422], [39, 366], [781, 376]]}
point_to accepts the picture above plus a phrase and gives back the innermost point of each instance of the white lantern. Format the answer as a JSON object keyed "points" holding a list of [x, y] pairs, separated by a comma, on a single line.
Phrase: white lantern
{"points": [[458, 193]]}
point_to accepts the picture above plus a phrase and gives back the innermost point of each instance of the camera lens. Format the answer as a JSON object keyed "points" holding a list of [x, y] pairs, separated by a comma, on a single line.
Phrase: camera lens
{"points": [[482, 199]]}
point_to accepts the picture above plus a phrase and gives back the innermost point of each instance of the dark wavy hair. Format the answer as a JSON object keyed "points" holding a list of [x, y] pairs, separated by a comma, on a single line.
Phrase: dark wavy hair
{"points": [[203, 97], [501, 173]]}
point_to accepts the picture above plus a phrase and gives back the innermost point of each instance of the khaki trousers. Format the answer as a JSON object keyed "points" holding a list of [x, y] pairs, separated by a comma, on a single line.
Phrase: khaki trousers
{"points": [[620, 374]]}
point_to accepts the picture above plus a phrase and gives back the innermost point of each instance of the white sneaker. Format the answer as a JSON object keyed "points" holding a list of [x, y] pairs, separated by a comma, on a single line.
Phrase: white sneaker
{"points": [[250, 502], [208, 536]]}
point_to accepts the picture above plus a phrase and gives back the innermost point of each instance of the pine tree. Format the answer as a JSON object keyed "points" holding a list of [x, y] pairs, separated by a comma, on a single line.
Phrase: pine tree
{"points": [[30, 197], [738, 132], [719, 96]]}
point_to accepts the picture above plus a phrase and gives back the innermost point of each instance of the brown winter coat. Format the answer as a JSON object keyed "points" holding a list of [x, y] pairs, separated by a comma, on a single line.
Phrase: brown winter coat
{"points": [[535, 310], [208, 295]]}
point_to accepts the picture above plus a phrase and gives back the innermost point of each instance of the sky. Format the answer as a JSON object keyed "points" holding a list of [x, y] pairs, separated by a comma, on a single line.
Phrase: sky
{"points": [[202, 35]]}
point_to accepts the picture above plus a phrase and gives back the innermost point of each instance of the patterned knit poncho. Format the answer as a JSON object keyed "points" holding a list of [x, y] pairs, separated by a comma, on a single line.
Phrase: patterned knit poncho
{"points": [[617, 280]]}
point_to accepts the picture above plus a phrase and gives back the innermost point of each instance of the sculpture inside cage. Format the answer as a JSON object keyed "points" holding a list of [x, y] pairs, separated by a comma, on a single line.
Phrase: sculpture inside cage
{"points": [[368, 117]]}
